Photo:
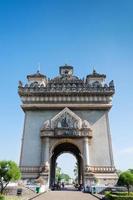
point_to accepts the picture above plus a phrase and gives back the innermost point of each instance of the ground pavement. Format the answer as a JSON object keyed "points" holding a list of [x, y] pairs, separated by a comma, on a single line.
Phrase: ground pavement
{"points": [[65, 195]]}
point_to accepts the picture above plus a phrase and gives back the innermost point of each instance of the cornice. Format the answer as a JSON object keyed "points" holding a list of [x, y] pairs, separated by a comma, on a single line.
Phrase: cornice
{"points": [[87, 100], [55, 106], [81, 91]]}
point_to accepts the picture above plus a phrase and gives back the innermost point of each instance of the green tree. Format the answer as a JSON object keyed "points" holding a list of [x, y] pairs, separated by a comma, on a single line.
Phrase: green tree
{"points": [[131, 170], [76, 171], [65, 177], [58, 173], [61, 176], [9, 171], [126, 179]]}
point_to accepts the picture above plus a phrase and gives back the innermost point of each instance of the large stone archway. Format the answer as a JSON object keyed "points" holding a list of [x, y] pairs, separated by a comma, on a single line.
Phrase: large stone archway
{"points": [[65, 132], [66, 147], [71, 111]]}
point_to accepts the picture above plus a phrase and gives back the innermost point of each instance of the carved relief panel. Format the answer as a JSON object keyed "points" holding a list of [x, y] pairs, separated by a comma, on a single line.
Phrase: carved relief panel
{"points": [[66, 123]]}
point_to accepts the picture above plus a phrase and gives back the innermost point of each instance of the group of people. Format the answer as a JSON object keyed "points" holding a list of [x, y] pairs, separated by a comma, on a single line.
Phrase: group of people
{"points": [[61, 185], [79, 186], [58, 186]]}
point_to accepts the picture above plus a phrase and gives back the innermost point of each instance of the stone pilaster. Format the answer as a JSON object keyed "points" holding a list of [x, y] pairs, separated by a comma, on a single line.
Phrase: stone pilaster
{"points": [[45, 151], [86, 152], [45, 161]]}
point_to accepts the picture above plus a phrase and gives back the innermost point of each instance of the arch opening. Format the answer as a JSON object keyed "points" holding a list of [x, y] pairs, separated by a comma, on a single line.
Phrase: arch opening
{"points": [[66, 168], [64, 149]]}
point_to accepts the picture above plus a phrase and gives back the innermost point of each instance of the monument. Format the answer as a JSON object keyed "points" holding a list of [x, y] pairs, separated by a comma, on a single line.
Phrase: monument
{"points": [[67, 114]]}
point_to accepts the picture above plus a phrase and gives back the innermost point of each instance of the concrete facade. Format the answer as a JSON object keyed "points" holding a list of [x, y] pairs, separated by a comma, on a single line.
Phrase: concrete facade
{"points": [[76, 116], [99, 154]]}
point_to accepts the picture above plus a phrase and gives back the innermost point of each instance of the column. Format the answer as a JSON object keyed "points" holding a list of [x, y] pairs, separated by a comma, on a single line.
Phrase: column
{"points": [[80, 171], [86, 152], [45, 150], [86, 161], [45, 161]]}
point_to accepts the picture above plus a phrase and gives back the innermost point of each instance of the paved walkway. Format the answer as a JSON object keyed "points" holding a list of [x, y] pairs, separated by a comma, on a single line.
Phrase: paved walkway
{"points": [[65, 195]]}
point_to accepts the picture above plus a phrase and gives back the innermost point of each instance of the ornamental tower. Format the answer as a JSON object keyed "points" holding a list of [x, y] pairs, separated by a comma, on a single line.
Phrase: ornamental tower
{"points": [[67, 114]]}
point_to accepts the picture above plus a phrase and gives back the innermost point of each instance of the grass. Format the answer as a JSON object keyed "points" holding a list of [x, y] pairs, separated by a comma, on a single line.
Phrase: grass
{"points": [[123, 193], [6, 197], [12, 198], [119, 195]]}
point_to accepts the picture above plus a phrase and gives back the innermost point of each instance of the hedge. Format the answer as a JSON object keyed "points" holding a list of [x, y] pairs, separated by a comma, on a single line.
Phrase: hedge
{"points": [[2, 197], [122, 193], [117, 197]]}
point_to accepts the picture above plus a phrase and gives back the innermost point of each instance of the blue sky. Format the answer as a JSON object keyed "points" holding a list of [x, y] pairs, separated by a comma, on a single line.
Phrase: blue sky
{"points": [[84, 33]]}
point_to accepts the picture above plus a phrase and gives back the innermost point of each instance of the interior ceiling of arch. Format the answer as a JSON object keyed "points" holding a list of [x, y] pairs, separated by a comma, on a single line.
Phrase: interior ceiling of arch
{"points": [[66, 147]]}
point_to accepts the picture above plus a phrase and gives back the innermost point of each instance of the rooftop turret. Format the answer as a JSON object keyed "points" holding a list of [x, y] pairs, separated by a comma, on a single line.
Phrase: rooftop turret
{"points": [[66, 70], [37, 78], [95, 78]]}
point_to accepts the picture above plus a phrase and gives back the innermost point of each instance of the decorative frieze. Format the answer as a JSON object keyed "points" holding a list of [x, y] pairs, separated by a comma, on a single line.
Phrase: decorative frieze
{"points": [[30, 169], [88, 169], [100, 169], [63, 99], [66, 133], [30, 91]]}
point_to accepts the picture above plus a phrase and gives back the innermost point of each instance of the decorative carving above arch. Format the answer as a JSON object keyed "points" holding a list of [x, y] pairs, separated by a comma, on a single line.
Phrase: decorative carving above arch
{"points": [[86, 124], [66, 123], [46, 125], [66, 119]]}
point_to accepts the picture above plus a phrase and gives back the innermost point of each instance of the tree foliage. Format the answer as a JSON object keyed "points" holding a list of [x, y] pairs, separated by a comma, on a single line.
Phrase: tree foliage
{"points": [[65, 177], [131, 170], [9, 171], [76, 171], [126, 179], [58, 174], [61, 176]]}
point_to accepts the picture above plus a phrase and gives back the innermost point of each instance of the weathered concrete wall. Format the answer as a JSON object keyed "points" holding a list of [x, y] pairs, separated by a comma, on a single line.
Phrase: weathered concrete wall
{"points": [[31, 148], [100, 150], [100, 154]]}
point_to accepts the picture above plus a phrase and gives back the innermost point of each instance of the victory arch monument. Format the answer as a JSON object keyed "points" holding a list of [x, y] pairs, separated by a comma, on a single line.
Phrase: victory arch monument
{"points": [[67, 114]]}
